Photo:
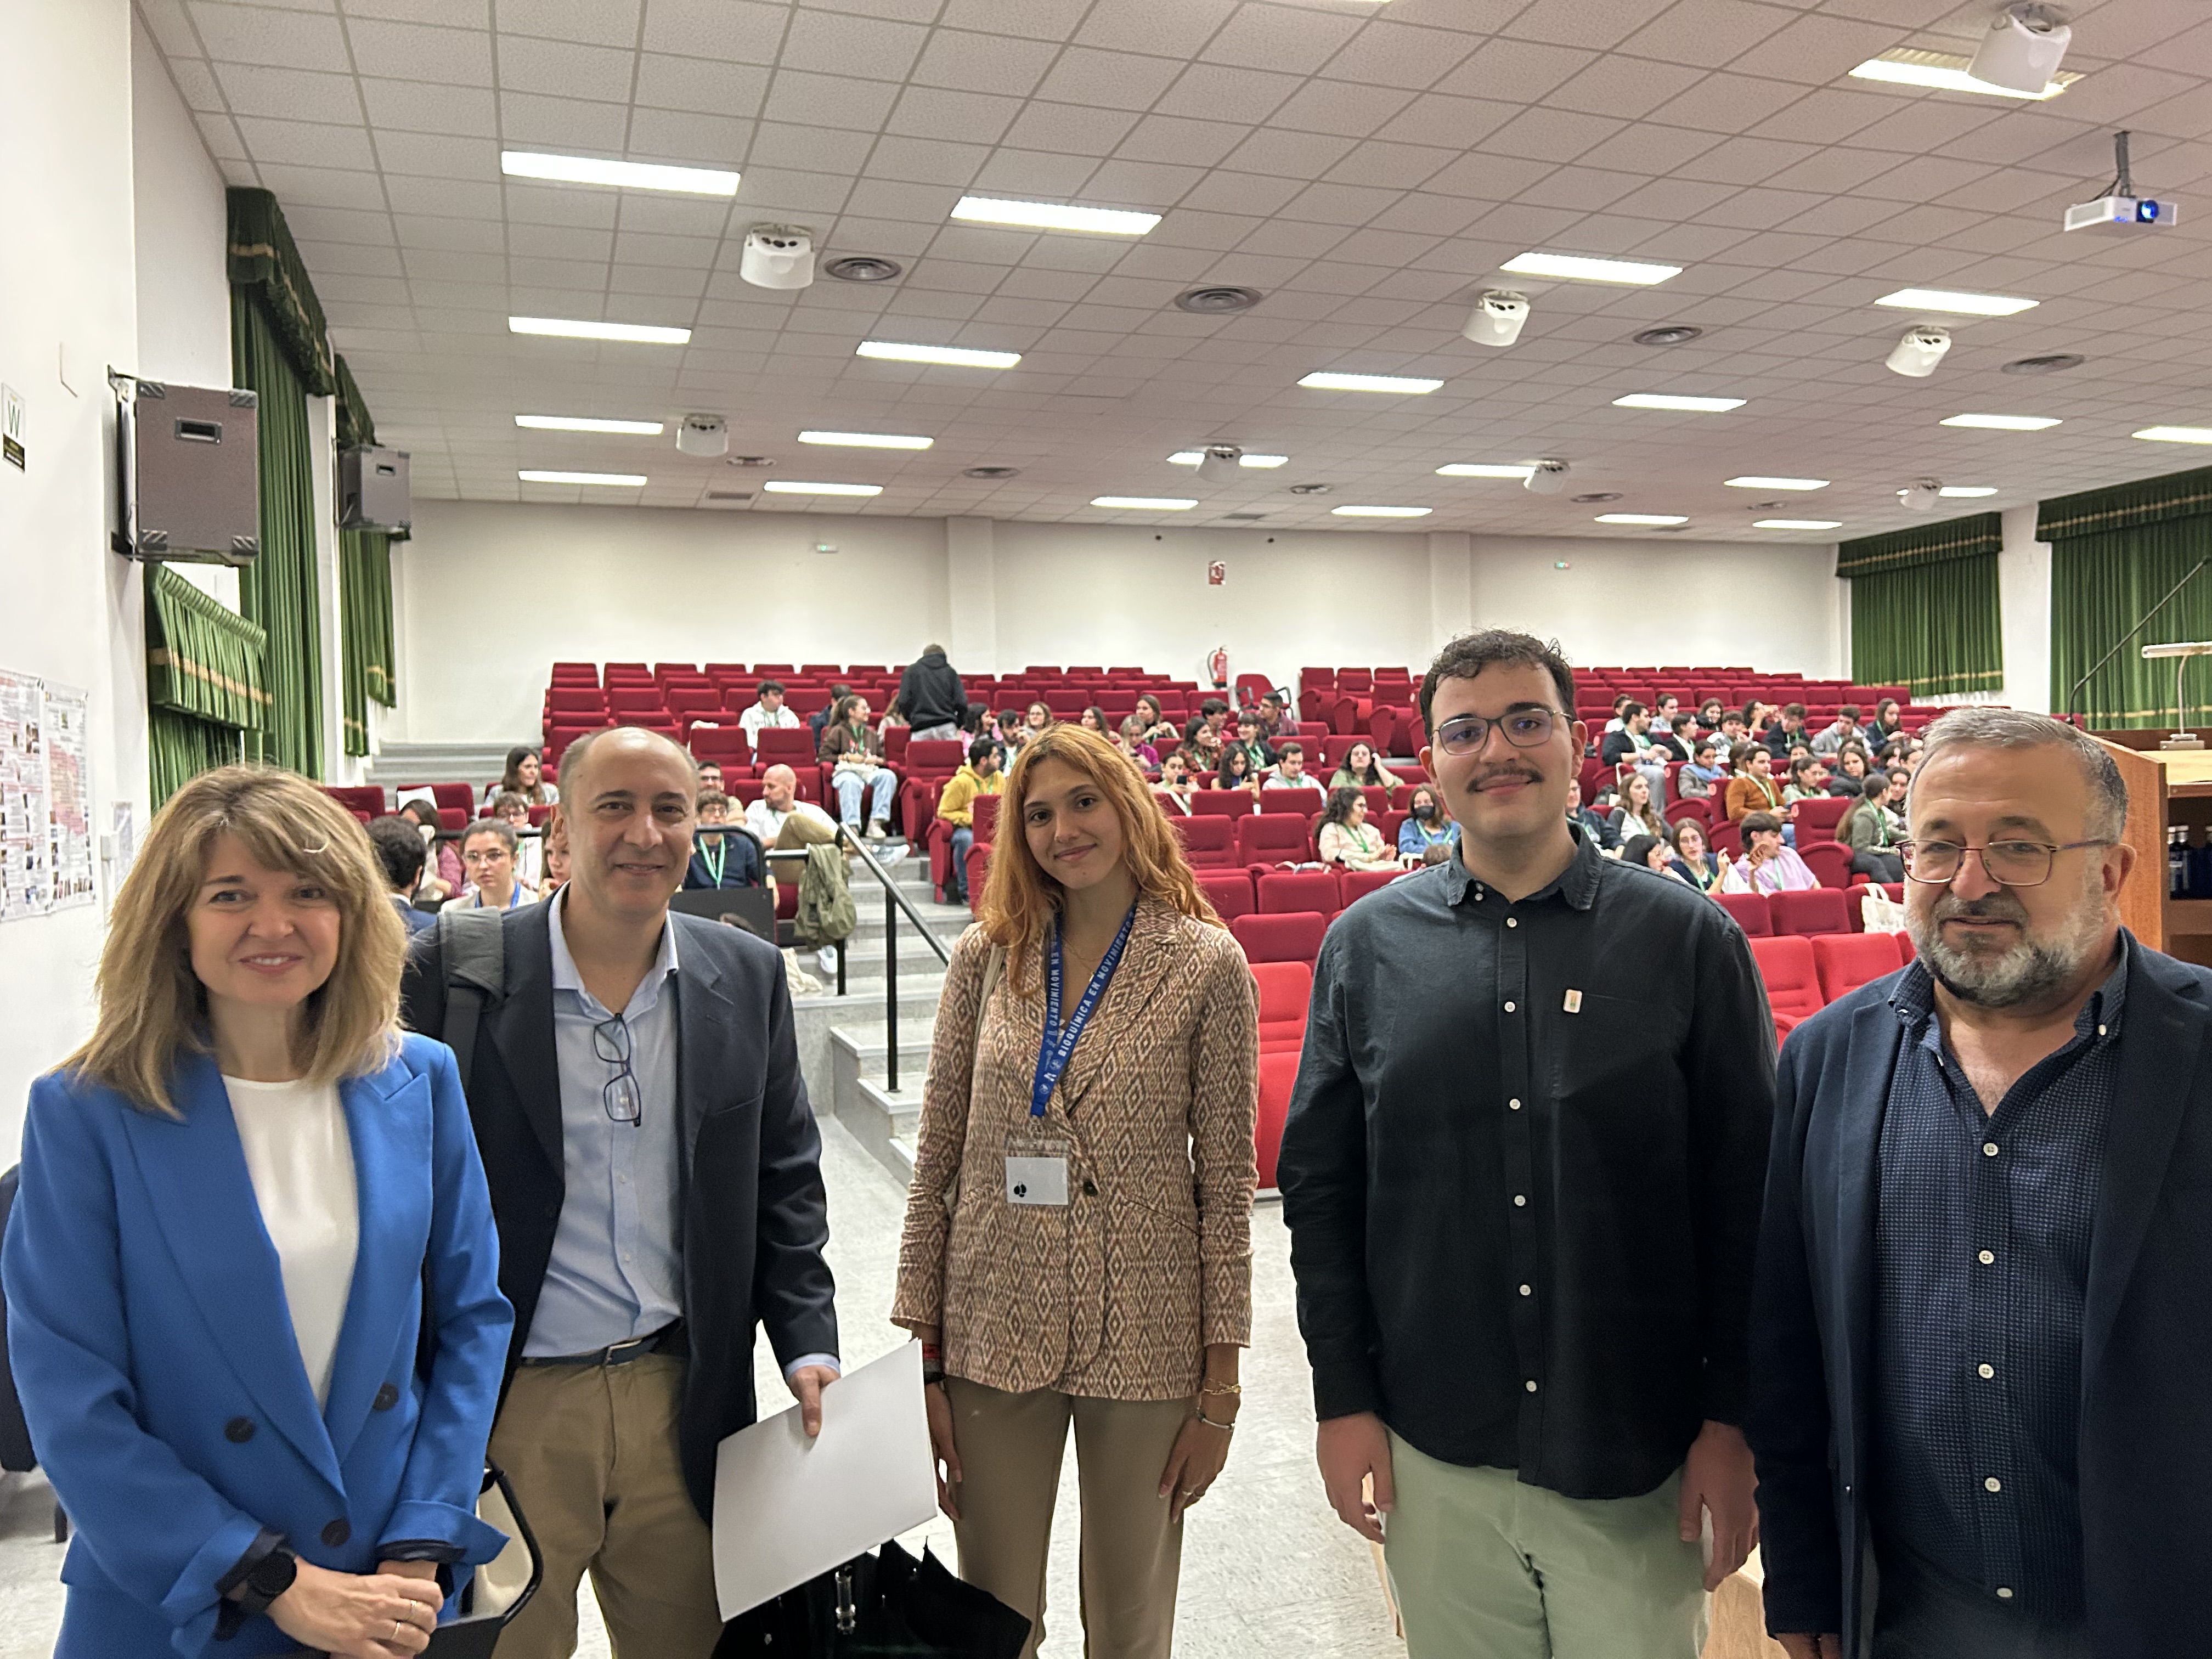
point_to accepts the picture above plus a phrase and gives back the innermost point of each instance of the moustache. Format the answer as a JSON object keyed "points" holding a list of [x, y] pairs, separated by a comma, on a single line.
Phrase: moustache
{"points": [[1483, 779], [1991, 906]]}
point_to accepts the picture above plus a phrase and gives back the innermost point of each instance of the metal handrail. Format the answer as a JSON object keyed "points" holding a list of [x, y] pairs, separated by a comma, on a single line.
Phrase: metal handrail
{"points": [[894, 902]]}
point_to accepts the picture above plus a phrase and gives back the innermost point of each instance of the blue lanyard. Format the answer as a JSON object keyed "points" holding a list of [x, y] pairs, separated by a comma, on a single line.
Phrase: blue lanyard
{"points": [[1059, 1041]]}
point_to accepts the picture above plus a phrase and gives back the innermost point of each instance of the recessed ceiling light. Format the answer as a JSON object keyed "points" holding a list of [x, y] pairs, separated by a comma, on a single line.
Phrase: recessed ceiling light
{"points": [[1908, 66], [587, 423], [1382, 512], [574, 328], [1964, 305], [1483, 470], [1751, 481], [866, 439], [633, 175], [2051, 362], [862, 268], [1797, 523], [1193, 457], [1330, 381], [1144, 503], [1054, 216], [793, 487], [1967, 492], [1666, 335], [531, 475], [1576, 267], [2177, 434], [1642, 518], [2004, 422], [1662, 400], [955, 357]]}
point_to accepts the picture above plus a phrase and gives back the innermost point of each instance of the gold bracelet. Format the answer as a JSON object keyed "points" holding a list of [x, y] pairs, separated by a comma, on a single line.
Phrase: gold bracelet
{"points": [[1207, 1385]]}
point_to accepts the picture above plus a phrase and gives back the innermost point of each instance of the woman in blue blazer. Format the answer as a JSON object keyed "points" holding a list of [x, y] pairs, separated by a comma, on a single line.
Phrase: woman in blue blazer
{"points": [[253, 1308]]}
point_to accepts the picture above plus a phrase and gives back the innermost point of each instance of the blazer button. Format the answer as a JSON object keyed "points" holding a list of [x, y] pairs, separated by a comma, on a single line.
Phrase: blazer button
{"points": [[338, 1534], [386, 1398], [237, 1431]]}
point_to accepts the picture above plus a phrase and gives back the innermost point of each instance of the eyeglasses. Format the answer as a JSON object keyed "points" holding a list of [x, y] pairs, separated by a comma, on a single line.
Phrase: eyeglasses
{"points": [[2008, 863], [486, 858], [1524, 728], [624, 1099]]}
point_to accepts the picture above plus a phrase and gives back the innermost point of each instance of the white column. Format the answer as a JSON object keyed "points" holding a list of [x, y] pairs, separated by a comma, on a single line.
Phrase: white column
{"points": [[971, 583], [322, 444], [2024, 611], [1451, 587]]}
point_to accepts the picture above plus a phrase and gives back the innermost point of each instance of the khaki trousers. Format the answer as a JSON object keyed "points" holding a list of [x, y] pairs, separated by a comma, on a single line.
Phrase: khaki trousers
{"points": [[1486, 1568], [591, 1450], [1010, 1447]]}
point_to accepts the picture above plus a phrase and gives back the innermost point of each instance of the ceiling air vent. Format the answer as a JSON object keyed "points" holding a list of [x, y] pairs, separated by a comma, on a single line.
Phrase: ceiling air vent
{"points": [[2054, 363], [1212, 301], [1671, 334], [863, 268]]}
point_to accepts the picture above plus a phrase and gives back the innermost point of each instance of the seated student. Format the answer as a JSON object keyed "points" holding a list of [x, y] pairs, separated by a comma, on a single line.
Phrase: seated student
{"points": [[555, 875], [708, 773], [1884, 724], [1620, 721], [781, 821], [1426, 824], [1734, 733], [1709, 715], [819, 719], [529, 862], [1693, 861], [1215, 712], [1766, 867], [1347, 841], [1208, 745], [1158, 729], [1290, 771], [1130, 740], [1235, 770], [1703, 775], [1632, 745], [1752, 787], [525, 777], [769, 712], [1635, 814], [1652, 852], [442, 876], [857, 754], [1808, 781], [1253, 741], [957, 805], [1592, 824], [487, 855], [399, 853], [1093, 719], [1271, 716], [894, 717], [722, 857], [1362, 770], [1174, 786], [1843, 729], [1788, 730], [1872, 829], [1850, 775]]}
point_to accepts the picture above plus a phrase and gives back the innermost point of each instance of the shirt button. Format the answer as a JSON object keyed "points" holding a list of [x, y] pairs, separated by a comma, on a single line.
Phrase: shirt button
{"points": [[1525, 1290], [1988, 1149], [1531, 1385], [2100, 1031], [2004, 1592], [1520, 1201], [1514, 1104], [1987, 1257], [1512, 921], [1509, 1007], [1987, 1371], [1993, 1484]]}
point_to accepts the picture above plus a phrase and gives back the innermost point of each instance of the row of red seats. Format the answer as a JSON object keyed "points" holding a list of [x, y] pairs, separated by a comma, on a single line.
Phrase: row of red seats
{"points": [[1804, 975], [1812, 911]]}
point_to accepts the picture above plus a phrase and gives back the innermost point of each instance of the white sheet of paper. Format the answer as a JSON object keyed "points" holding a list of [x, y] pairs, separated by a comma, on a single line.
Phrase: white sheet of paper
{"points": [[787, 1509]]}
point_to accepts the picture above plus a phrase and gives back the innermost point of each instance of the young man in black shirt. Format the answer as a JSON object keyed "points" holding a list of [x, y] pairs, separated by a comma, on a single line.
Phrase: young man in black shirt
{"points": [[1523, 1175]]}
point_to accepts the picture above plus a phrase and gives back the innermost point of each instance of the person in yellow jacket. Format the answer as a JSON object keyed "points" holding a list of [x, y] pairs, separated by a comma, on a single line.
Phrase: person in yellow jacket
{"points": [[956, 806]]}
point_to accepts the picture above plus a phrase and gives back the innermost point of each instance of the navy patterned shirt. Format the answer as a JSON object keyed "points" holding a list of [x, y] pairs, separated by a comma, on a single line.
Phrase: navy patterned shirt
{"points": [[1982, 1263]]}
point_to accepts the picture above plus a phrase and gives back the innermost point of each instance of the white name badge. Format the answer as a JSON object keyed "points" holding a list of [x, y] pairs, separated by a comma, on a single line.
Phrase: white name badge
{"points": [[1036, 1179]]}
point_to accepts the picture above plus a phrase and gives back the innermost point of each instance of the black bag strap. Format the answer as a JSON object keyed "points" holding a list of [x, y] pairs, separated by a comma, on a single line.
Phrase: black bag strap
{"points": [[473, 945]]}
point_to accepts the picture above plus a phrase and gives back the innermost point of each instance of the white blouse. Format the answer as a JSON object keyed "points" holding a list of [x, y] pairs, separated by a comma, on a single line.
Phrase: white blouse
{"points": [[301, 1160]]}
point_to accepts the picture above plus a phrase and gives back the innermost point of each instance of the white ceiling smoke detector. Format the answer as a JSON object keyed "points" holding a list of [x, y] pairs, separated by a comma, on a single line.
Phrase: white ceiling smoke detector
{"points": [[1917, 354], [1219, 463], [1498, 318], [703, 435], [1549, 478], [2023, 48], [778, 255], [1921, 495]]}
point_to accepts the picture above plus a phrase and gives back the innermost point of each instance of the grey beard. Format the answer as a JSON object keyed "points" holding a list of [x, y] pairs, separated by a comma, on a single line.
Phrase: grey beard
{"points": [[2033, 970]]}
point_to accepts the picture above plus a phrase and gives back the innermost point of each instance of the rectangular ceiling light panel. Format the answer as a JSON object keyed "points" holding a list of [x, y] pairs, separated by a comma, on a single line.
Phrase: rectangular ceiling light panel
{"points": [[794, 487], [1324, 380], [1054, 216], [577, 328], [1752, 481], [1908, 66], [2004, 422], [1193, 457], [1382, 512], [1144, 503], [2177, 434], [1578, 268], [1483, 470], [629, 480], [1797, 524], [866, 439], [588, 424], [1642, 518], [1665, 400], [950, 356], [633, 175], [1958, 304], [1967, 492]]}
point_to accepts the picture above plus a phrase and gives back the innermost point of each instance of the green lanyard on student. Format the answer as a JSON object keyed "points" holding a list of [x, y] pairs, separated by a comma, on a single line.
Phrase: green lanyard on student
{"points": [[715, 858]]}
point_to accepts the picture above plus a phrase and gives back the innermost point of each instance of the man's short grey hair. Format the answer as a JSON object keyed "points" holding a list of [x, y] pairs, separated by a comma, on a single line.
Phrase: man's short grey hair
{"points": [[2018, 728]]}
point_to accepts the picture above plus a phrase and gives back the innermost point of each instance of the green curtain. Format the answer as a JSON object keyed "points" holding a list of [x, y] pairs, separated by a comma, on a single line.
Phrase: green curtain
{"points": [[2101, 586], [265, 263], [365, 630], [178, 748], [1934, 630], [204, 681], [280, 591]]}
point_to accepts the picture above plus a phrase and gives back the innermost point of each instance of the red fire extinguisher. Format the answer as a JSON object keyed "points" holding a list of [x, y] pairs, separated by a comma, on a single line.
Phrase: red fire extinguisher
{"points": [[1217, 667]]}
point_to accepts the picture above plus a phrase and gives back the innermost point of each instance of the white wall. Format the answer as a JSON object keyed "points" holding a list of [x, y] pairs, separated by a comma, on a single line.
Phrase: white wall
{"points": [[490, 595], [2024, 612], [74, 608]]}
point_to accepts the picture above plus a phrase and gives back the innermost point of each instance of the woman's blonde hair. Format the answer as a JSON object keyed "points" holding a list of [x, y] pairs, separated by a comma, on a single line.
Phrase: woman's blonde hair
{"points": [[1020, 899], [152, 1008]]}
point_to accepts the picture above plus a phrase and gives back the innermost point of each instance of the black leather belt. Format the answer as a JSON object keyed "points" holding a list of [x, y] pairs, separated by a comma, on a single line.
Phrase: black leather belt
{"points": [[669, 1340]]}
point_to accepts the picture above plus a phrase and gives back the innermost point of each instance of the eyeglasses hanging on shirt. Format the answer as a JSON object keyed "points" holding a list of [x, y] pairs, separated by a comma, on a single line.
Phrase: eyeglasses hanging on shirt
{"points": [[624, 1099]]}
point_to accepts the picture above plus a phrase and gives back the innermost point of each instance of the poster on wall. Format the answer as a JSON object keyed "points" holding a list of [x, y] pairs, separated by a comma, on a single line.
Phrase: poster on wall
{"points": [[45, 798]]}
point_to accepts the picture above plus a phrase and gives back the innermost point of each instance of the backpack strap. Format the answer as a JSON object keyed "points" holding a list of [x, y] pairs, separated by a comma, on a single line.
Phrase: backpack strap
{"points": [[473, 945]]}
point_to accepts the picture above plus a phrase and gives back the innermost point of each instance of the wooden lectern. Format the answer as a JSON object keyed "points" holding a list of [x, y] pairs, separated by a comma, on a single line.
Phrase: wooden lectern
{"points": [[2167, 789]]}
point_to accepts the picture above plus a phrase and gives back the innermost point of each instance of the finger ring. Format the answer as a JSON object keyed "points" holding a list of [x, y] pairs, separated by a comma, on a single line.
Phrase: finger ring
{"points": [[396, 1625]]}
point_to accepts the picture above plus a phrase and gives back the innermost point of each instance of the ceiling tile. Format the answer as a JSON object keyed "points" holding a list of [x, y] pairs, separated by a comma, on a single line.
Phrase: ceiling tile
{"points": [[928, 160], [829, 43], [1600, 23], [1030, 173], [1175, 28], [828, 100], [1340, 107], [684, 137], [1113, 80], [783, 144], [1551, 135], [1726, 103], [1036, 19], [1178, 139], [562, 68], [1813, 51], [416, 52], [445, 197], [1272, 37], [1623, 86], [1706, 34], [1395, 167], [260, 34], [417, 107], [307, 144], [288, 95], [936, 112], [701, 84], [739, 31], [1070, 128], [971, 62], [325, 187], [567, 124], [1218, 92], [1390, 54], [598, 22], [1517, 71]]}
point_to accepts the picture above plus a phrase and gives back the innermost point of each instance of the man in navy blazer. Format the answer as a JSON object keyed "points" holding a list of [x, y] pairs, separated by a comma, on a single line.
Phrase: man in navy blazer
{"points": [[655, 1176], [1982, 1329]]}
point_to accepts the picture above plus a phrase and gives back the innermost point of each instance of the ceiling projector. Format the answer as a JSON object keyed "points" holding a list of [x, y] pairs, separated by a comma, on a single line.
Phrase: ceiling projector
{"points": [[2119, 208]]}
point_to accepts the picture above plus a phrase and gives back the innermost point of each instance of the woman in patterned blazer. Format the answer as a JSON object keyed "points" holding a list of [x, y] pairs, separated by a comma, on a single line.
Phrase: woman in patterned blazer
{"points": [[1078, 1243]]}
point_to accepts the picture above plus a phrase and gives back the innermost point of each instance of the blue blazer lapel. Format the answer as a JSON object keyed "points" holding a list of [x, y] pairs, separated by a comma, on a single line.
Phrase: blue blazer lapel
{"points": [[202, 1200], [2161, 1043], [388, 1123], [521, 1026], [705, 1017], [1854, 1160]]}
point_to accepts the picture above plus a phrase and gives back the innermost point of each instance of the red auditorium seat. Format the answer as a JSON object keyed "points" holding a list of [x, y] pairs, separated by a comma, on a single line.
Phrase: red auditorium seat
{"points": [[1692, 806], [1209, 841], [1295, 938], [1278, 1075], [1817, 819], [1286, 988], [725, 746], [1228, 891], [1727, 838], [1270, 838], [1223, 803], [1750, 911], [1830, 861], [1354, 679], [1793, 983], [791, 747], [1304, 802], [1816, 910], [1847, 961], [1284, 891], [539, 814], [935, 757], [1352, 884], [582, 700], [1250, 688], [367, 797]]}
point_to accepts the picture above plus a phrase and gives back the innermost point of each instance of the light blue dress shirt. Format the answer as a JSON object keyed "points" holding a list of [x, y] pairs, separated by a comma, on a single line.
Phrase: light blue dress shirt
{"points": [[616, 1269]]}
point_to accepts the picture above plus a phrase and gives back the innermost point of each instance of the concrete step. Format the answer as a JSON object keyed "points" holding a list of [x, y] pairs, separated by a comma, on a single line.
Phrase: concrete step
{"points": [[883, 1123], [869, 1051], [475, 763]]}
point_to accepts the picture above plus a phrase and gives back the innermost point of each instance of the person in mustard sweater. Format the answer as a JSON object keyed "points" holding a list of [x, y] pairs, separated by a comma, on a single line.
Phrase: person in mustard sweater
{"points": [[956, 806], [1754, 787]]}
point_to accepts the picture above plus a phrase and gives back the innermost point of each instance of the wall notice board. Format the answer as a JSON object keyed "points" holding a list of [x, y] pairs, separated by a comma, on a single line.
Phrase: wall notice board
{"points": [[45, 797]]}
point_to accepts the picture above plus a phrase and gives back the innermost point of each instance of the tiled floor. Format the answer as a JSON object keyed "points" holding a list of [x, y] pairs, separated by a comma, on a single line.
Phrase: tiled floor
{"points": [[1268, 1571]]}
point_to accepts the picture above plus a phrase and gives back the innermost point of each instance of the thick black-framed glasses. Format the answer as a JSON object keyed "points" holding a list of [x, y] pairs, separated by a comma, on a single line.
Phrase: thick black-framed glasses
{"points": [[622, 1098], [2008, 863], [1524, 728]]}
